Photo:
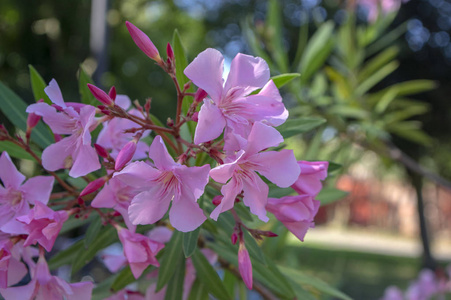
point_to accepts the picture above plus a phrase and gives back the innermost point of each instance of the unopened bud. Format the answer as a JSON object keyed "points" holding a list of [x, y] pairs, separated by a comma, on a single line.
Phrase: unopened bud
{"points": [[234, 238], [32, 120], [93, 186], [101, 95], [57, 137], [112, 93], [195, 116], [101, 151], [170, 52], [143, 42], [217, 200], [200, 95], [186, 86], [268, 234], [125, 155], [170, 122], [147, 104], [244, 265]]}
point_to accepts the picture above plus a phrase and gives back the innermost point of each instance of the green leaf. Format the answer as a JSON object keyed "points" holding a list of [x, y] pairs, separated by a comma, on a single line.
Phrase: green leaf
{"points": [[255, 43], [198, 291], [170, 259], [93, 231], [254, 249], [175, 284], [38, 85], [124, 278], [86, 96], [333, 167], [243, 213], [73, 223], [66, 256], [190, 242], [274, 30], [410, 130], [104, 239], [376, 77], [301, 125], [349, 111], [330, 194], [229, 281], [14, 108], [378, 62], [304, 279], [317, 51], [102, 289], [209, 277], [180, 59], [283, 79], [16, 151]]}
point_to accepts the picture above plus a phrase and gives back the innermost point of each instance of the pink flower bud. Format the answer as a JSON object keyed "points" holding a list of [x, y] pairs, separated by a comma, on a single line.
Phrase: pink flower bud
{"points": [[170, 52], [125, 155], [57, 137], [112, 93], [143, 42], [244, 265], [101, 151], [234, 238], [217, 200], [200, 95], [100, 95], [32, 120], [93, 186], [195, 116]]}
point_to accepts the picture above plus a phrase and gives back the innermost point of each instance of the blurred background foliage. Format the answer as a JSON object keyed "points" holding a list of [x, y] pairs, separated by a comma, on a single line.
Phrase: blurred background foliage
{"points": [[381, 85]]}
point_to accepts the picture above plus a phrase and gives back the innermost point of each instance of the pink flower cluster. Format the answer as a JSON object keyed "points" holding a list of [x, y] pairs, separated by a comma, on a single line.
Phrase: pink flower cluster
{"points": [[236, 129]]}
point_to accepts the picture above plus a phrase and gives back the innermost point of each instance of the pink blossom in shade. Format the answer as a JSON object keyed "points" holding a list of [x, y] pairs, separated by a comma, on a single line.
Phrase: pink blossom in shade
{"points": [[113, 137], [75, 150], [151, 293], [309, 181], [11, 269], [139, 250], [295, 212], [160, 234], [17, 196], [114, 262], [423, 288], [143, 42], [374, 7], [117, 195], [230, 105], [392, 293], [43, 225], [166, 181], [244, 265], [280, 168], [44, 286]]}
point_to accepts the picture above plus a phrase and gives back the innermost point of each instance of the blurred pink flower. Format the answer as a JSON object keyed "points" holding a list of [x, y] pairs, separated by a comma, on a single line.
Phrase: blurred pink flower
{"points": [[309, 181]]}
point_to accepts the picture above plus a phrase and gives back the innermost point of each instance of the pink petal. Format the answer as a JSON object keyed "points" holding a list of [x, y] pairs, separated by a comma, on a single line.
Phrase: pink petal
{"points": [[211, 123], [16, 271], [160, 234], [263, 108], [230, 191], [60, 123], [114, 262], [54, 93], [245, 266], [19, 292], [160, 155], [80, 290], [224, 172], [137, 174], [147, 207], [309, 181], [9, 174], [280, 167], [123, 101], [54, 156], [100, 95], [299, 229], [270, 90], [186, 215], [38, 189], [247, 71], [206, 70], [262, 137], [85, 161], [106, 198], [256, 195], [194, 178], [88, 123]]}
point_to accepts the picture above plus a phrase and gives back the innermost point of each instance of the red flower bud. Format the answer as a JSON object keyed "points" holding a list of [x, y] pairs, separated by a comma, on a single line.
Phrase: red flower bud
{"points": [[93, 186], [112, 93], [101, 151], [143, 42], [100, 95], [200, 95], [170, 52]]}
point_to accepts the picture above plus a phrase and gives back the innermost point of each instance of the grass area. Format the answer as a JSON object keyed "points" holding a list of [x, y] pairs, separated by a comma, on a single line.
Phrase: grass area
{"points": [[359, 275]]}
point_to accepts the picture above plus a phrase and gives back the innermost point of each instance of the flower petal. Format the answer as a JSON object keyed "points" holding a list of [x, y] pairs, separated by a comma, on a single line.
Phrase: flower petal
{"points": [[279, 167], [85, 161], [256, 195], [230, 191], [54, 156], [194, 178], [37, 189], [10, 176], [137, 174], [261, 137], [160, 155], [54, 93], [149, 207], [186, 215], [211, 123]]}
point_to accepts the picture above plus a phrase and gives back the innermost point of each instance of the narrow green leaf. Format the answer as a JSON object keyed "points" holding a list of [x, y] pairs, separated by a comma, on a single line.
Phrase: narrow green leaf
{"points": [[175, 284], [180, 59], [385, 100], [190, 242], [283, 79], [93, 231], [304, 279], [330, 194], [316, 51], [123, 278], [16, 151], [66, 256], [209, 277], [38, 85], [255, 43], [349, 111], [301, 125], [73, 223], [376, 77], [170, 259], [378, 62], [302, 40], [254, 249], [14, 108], [104, 239], [198, 291], [274, 23], [85, 93], [243, 213], [229, 281]]}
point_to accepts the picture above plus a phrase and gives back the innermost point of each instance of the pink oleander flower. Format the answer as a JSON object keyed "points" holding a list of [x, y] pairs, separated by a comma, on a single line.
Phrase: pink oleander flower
{"points": [[375, 7], [12, 270], [16, 196], [117, 195], [393, 293], [75, 120], [309, 181], [139, 250], [280, 168], [43, 225], [423, 288], [230, 105], [44, 286], [143, 42], [295, 212], [160, 234], [166, 181], [244, 265]]}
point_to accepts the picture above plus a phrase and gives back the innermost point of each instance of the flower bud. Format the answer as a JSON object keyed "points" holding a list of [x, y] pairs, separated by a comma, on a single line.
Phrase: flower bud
{"points": [[101, 151], [100, 95], [143, 42], [57, 137], [93, 186], [170, 52], [195, 116], [32, 120], [112, 93], [200, 95], [234, 238], [125, 155], [244, 265], [217, 200]]}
